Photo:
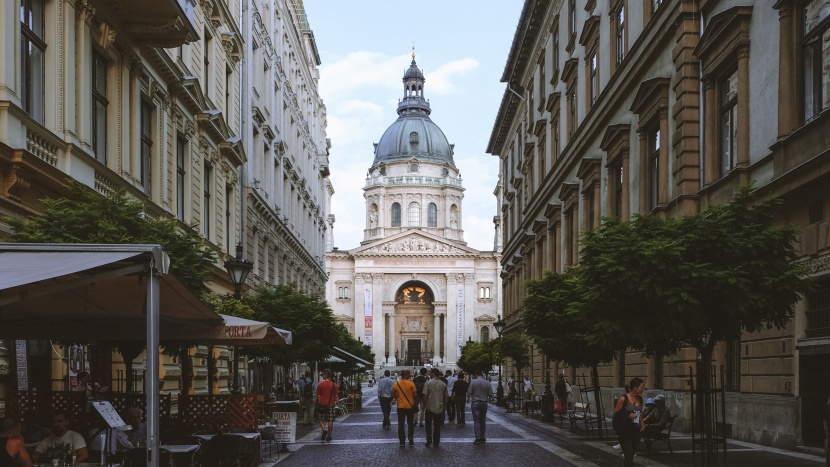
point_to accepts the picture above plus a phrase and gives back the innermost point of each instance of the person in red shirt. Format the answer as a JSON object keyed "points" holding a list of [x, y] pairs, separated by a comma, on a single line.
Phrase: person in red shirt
{"points": [[327, 396]]}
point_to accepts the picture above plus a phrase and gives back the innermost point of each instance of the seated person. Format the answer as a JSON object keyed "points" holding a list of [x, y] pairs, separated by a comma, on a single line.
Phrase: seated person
{"points": [[138, 434], [118, 440], [649, 407], [656, 419], [12, 448], [60, 438], [34, 432]]}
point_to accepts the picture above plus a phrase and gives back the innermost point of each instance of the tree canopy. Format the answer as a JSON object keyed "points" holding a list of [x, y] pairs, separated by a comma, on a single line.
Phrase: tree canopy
{"points": [[696, 280], [88, 217], [308, 317], [477, 356], [514, 346]]}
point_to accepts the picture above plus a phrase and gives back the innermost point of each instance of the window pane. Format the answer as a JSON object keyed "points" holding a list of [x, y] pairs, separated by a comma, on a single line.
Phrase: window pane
{"points": [[814, 12], [432, 215], [414, 214], [396, 215], [100, 128]]}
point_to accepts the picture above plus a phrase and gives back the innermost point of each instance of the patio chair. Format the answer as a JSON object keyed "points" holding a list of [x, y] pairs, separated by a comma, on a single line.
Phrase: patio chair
{"points": [[268, 435], [231, 449]]}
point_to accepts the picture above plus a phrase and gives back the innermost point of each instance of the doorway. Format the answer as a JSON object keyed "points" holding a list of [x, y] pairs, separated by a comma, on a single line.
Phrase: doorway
{"points": [[413, 352]]}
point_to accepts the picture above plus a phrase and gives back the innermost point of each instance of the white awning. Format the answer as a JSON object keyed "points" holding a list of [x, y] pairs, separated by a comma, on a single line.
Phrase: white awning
{"points": [[241, 331]]}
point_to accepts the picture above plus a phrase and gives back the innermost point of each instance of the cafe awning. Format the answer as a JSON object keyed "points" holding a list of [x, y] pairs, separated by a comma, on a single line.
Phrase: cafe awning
{"points": [[241, 331], [352, 357]]}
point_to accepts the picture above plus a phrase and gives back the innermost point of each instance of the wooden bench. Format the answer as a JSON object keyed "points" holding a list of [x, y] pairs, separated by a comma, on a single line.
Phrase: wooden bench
{"points": [[663, 435]]}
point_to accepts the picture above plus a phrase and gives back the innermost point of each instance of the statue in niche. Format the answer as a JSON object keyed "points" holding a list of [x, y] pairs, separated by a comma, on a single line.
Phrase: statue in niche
{"points": [[373, 219], [453, 221], [413, 295]]}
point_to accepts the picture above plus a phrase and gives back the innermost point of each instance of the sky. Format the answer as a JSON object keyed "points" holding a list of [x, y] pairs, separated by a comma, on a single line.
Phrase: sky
{"points": [[365, 47]]}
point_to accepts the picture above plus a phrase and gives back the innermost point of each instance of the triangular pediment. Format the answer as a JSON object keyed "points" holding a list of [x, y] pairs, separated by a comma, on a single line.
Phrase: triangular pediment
{"points": [[414, 243]]}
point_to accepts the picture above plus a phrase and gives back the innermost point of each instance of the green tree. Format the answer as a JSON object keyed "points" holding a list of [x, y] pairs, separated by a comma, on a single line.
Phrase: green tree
{"points": [[554, 316], [514, 346], [477, 356], [308, 317], [695, 280], [85, 216], [88, 217]]}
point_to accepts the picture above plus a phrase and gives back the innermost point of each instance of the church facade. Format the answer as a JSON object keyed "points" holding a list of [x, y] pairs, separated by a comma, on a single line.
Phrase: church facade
{"points": [[413, 290]]}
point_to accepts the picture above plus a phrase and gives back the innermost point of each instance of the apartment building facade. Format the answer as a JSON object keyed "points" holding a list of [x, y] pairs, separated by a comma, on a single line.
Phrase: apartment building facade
{"points": [[623, 107]]}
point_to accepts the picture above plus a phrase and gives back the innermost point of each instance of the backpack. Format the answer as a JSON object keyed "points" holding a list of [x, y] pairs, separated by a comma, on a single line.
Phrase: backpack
{"points": [[308, 390]]}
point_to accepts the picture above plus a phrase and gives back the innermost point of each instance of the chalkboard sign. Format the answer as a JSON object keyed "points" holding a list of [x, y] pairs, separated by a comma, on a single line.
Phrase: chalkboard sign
{"points": [[109, 414]]}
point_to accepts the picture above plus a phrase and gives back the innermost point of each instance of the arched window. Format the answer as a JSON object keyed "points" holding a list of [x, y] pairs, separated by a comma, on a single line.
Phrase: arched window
{"points": [[414, 214], [396, 215], [485, 334], [432, 215]]}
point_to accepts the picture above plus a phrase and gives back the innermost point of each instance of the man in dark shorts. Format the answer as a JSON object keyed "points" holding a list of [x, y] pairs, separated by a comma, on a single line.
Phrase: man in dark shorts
{"points": [[459, 397], [327, 396]]}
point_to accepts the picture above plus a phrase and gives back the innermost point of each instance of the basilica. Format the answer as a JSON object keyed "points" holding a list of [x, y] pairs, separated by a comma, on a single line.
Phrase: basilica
{"points": [[413, 290]]}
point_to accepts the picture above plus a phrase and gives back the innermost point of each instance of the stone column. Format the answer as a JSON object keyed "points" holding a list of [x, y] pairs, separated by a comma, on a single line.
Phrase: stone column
{"points": [[453, 331], [377, 316], [742, 160], [393, 336], [787, 106], [626, 201], [436, 337]]}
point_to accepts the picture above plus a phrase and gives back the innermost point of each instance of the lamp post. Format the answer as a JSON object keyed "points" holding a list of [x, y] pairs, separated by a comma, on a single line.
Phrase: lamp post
{"points": [[238, 269], [499, 325]]}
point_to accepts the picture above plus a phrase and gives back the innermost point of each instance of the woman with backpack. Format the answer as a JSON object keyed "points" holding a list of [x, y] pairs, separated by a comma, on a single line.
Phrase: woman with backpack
{"points": [[626, 419]]}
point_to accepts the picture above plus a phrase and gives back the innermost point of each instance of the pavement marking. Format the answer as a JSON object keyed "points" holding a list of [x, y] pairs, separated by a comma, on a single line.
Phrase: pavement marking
{"points": [[618, 452], [800, 455]]}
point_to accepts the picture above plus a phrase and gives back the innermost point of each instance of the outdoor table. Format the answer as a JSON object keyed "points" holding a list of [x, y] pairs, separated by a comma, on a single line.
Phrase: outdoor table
{"points": [[181, 453], [207, 437]]}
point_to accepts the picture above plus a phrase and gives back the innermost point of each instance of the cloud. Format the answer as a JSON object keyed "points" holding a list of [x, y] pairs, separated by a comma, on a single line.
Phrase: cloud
{"points": [[354, 120], [441, 80], [360, 70]]}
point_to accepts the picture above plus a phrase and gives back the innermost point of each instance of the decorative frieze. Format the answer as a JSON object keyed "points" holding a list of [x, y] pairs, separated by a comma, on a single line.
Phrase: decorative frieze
{"points": [[415, 244]]}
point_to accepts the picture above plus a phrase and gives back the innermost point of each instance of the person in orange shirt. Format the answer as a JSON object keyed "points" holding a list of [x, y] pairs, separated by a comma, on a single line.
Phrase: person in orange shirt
{"points": [[404, 392], [12, 448]]}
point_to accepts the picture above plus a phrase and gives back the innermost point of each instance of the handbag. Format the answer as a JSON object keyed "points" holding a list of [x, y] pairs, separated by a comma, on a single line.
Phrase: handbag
{"points": [[557, 406], [412, 407]]}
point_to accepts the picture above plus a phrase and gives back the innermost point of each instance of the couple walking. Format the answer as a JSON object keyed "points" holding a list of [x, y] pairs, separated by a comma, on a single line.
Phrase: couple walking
{"points": [[435, 397]]}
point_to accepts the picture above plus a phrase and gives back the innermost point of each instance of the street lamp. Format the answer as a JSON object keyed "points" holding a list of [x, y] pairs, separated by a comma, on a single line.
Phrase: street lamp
{"points": [[238, 268], [499, 325], [547, 396]]}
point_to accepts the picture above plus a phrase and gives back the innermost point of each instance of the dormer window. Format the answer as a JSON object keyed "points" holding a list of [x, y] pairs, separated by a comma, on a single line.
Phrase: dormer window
{"points": [[383, 170], [413, 167], [413, 137]]}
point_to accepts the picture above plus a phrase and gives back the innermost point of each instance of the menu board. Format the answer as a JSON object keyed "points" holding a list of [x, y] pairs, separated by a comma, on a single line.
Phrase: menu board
{"points": [[109, 414]]}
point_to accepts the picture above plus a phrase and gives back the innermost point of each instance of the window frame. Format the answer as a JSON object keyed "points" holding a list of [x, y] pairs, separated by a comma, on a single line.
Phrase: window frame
{"points": [[727, 115], [812, 84], [207, 199], [413, 214], [432, 215], [396, 214], [32, 99], [147, 111], [181, 175], [99, 99]]}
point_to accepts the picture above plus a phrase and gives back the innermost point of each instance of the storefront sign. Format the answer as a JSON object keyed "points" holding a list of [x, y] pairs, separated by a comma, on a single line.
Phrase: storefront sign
{"points": [[285, 424], [22, 366]]}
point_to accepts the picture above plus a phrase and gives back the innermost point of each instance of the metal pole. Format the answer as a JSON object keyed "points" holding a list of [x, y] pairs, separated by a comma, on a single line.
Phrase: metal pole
{"points": [[152, 364]]}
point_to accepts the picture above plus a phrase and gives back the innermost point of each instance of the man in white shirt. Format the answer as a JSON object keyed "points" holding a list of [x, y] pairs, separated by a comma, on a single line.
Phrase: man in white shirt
{"points": [[61, 437]]}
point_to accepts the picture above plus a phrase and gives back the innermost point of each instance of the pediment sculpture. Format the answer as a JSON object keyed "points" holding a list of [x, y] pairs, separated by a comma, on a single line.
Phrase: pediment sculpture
{"points": [[415, 245]]}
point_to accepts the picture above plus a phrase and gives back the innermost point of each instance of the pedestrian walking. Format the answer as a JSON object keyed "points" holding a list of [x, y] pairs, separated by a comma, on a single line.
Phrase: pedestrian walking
{"points": [[451, 406], [561, 390], [306, 386], [459, 395], [478, 394], [435, 401], [404, 392], [385, 398], [626, 420], [419, 381], [327, 396]]}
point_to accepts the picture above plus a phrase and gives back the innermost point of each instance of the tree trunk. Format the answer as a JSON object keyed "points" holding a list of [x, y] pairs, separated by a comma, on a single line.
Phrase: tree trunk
{"points": [[597, 400], [705, 418]]}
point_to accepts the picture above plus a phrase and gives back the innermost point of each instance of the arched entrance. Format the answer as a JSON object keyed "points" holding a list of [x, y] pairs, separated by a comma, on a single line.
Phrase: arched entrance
{"points": [[414, 311]]}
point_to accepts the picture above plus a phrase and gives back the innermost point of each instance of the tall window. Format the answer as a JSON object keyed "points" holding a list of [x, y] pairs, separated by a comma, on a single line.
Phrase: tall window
{"points": [[32, 49], [654, 169], [555, 146], [207, 194], [571, 114], [414, 214], [572, 17], [396, 215], [181, 145], [619, 21], [542, 77], [432, 215], [814, 44], [555, 51], [228, 85], [732, 376], [570, 244], [616, 179], [728, 123], [589, 205], [593, 80], [485, 334], [206, 61], [146, 145], [99, 107], [484, 292], [818, 310], [229, 218], [530, 103]]}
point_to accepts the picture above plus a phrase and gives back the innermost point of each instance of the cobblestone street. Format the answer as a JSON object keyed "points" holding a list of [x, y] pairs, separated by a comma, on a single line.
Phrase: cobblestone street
{"points": [[512, 439]]}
